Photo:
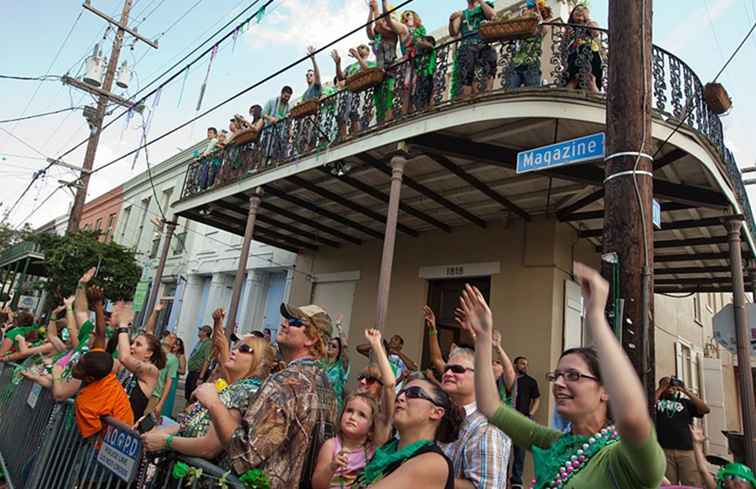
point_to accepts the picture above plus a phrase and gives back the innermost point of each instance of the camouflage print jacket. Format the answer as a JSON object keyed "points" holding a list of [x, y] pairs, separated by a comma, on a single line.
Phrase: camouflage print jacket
{"points": [[282, 430]]}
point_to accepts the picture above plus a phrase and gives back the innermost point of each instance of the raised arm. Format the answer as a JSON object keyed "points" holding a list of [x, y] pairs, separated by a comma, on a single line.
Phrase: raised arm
{"points": [[436, 357], [475, 316], [509, 372], [626, 396], [152, 320], [388, 396], [63, 389], [488, 11], [311, 51], [455, 22], [82, 304], [73, 327], [220, 342], [337, 61], [700, 405], [698, 451], [97, 296], [123, 314], [370, 27], [396, 26]]}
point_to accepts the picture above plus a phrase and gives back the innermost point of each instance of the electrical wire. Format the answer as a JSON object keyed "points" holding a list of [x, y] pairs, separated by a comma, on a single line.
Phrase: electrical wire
{"points": [[244, 91], [23, 142], [31, 78], [35, 116], [36, 209], [183, 16], [713, 31]]}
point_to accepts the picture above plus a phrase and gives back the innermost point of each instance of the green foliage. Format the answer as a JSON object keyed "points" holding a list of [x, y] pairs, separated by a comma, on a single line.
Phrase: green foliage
{"points": [[10, 236], [68, 257]]}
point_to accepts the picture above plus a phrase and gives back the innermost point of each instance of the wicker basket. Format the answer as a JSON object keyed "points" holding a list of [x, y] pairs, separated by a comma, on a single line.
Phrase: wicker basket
{"points": [[245, 136], [364, 79], [304, 109], [717, 98], [510, 29]]}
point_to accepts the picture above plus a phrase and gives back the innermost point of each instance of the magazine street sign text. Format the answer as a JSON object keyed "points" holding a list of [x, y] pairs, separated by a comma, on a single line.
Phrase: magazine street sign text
{"points": [[586, 148]]}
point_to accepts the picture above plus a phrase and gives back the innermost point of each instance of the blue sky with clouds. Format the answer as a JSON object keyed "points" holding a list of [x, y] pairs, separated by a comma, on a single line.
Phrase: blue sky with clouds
{"points": [[701, 32]]}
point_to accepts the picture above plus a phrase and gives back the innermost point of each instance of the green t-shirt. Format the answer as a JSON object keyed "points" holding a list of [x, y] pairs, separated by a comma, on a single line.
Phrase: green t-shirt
{"points": [[18, 331], [471, 20], [620, 465], [200, 353], [355, 67], [168, 372]]}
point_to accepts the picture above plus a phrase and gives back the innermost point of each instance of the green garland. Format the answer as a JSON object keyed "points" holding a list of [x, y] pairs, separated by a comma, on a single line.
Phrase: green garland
{"points": [[252, 479]]}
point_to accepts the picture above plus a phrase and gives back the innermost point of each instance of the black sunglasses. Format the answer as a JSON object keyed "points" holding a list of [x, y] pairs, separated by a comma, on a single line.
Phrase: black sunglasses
{"points": [[369, 379], [457, 369], [245, 348], [295, 323], [570, 375], [417, 392]]}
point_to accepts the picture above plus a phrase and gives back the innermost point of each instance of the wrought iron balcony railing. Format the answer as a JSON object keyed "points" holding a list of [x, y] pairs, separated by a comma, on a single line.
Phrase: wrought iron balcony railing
{"points": [[561, 56]]}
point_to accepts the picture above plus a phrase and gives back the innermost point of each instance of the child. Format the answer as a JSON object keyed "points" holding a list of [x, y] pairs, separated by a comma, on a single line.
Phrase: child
{"points": [[342, 458]]}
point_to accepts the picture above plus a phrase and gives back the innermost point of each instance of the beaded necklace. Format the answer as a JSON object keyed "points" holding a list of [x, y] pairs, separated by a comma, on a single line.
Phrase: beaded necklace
{"points": [[558, 464]]}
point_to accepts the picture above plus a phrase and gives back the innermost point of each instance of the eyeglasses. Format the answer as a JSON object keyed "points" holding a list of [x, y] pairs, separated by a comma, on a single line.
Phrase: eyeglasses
{"points": [[245, 348], [369, 379], [417, 392], [457, 369], [295, 323], [569, 375]]}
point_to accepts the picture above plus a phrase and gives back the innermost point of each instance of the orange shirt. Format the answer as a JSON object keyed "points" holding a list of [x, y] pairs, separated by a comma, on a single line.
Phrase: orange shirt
{"points": [[106, 397]]}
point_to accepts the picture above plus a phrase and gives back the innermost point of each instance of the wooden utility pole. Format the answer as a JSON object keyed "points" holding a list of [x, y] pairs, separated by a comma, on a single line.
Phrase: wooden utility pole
{"points": [[629, 178], [103, 98], [157, 280]]}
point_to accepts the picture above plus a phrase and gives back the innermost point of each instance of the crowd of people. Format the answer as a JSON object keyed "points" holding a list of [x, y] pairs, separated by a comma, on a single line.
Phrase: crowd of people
{"points": [[283, 408], [412, 70]]}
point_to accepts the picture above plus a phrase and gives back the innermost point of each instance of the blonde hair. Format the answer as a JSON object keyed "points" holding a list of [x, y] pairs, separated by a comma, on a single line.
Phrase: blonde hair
{"points": [[263, 357], [318, 350], [374, 407], [418, 20]]}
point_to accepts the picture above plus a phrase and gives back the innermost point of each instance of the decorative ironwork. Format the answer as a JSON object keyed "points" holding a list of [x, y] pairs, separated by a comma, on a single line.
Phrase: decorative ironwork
{"points": [[659, 79]]}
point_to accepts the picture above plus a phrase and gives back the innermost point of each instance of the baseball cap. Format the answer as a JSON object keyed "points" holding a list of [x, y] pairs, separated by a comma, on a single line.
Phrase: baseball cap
{"points": [[207, 329], [316, 315]]}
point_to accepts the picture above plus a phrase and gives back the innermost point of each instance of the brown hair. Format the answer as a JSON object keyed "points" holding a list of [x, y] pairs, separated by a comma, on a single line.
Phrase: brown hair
{"points": [[318, 350], [373, 406], [158, 355], [263, 357], [454, 414], [418, 20], [24, 318]]}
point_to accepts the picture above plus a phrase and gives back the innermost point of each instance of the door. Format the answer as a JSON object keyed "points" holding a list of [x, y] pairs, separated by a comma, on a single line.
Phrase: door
{"points": [[443, 298], [273, 302], [337, 299]]}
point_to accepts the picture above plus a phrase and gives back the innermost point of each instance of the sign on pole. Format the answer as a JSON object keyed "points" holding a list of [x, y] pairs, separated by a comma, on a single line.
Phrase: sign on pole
{"points": [[656, 213], [578, 150]]}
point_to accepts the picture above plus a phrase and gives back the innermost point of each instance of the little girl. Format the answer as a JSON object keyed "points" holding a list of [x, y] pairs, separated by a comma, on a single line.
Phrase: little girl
{"points": [[342, 458]]}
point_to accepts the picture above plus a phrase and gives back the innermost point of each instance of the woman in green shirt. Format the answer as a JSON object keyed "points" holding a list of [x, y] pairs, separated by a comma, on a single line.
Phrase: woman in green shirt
{"points": [[604, 450]]}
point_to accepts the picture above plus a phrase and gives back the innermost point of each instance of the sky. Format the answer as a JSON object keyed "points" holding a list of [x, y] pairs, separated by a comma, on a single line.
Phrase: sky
{"points": [[701, 32]]}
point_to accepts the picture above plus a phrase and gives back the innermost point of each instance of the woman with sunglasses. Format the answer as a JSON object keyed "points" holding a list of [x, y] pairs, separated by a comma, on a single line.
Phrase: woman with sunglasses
{"points": [[424, 416], [244, 368], [616, 450]]}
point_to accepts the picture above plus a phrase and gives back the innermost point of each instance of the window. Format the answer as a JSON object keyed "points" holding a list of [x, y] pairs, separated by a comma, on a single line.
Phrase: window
{"points": [[98, 224], [167, 199], [686, 366], [142, 221], [155, 245], [179, 243], [109, 233], [697, 308], [125, 223], [711, 301]]}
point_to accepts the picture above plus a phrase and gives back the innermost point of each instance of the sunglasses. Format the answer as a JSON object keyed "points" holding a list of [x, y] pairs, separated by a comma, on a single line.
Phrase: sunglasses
{"points": [[369, 379], [734, 478], [457, 369], [417, 392], [245, 348], [570, 375], [295, 323]]}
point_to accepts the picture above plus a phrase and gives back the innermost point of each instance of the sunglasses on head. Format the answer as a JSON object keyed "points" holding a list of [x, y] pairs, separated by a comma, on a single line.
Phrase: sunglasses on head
{"points": [[369, 379], [295, 323], [417, 392], [457, 369], [570, 375], [245, 348]]}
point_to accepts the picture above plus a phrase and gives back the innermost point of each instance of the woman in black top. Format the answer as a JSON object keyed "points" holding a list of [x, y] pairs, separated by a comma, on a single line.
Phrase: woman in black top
{"points": [[424, 415]]}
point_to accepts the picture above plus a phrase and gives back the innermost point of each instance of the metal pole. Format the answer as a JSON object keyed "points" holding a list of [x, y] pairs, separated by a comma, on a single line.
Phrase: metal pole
{"points": [[159, 272], [17, 294], [254, 206], [389, 240], [742, 335], [96, 125]]}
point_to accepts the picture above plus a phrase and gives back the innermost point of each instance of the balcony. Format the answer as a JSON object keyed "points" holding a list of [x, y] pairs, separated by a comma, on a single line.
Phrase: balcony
{"points": [[327, 171]]}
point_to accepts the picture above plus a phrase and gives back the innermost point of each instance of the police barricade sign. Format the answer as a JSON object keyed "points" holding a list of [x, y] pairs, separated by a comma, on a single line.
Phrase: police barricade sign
{"points": [[120, 451]]}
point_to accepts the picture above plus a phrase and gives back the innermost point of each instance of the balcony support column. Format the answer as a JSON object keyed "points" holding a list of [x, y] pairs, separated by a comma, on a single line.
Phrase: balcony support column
{"points": [[155, 290], [387, 260], [742, 337], [254, 205], [22, 279]]}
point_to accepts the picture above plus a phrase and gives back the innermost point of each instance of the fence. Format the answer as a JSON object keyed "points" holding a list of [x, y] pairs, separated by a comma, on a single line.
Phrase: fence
{"points": [[41, 448], [431, 82]]}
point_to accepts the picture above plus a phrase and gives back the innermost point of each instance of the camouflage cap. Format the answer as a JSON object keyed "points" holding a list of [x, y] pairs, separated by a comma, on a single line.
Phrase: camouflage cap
{"points": [[315, 315]]}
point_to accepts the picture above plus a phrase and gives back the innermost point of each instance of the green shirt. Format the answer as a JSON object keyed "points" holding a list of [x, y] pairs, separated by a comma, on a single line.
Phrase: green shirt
{"points": [[168, 372], [18, 331], [201, 352], [620, 465], [471, 20], [355, 67]]}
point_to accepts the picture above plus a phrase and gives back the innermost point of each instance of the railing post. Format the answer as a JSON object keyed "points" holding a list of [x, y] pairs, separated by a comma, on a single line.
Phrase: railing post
{"points": [[389, 240], [254, 206]]}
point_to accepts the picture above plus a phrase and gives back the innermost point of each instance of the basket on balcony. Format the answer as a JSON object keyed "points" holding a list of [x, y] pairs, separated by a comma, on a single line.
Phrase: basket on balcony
{"points": [[245, 136], [304, 109], [364, 79], [717, 98], [509, 29]]}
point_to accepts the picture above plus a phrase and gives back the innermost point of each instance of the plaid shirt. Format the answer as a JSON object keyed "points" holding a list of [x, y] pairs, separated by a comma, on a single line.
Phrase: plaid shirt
{"points": [[480, 454], [282, 430]]}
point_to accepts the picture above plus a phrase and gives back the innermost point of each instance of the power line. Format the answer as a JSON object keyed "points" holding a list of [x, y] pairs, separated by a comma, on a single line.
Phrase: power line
{"points": [[35, 116], [713, 31], [31, 78], [23, 142], [244, 91]]}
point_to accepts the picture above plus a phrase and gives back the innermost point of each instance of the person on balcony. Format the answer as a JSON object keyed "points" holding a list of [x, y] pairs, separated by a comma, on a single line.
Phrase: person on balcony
{"points": [[212, 142], [585, 69], [473, 54], [525, 70], [349, 113], [383, 40], [277, 108], [294, 412], [314, 86]]}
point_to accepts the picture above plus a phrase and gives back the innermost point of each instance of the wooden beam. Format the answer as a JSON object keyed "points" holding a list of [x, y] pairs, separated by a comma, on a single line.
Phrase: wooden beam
{"points": [[478, 184], [323, 212], [691, 257], [669, 158], [275, 222], [679, 243], [687, 289], [309, 222], [588, 215], [703, 281], [194, 216], [301, 182], [668, 226], [565, 212], [422, 189], [269, 232], [383, 197], [690, 270]]}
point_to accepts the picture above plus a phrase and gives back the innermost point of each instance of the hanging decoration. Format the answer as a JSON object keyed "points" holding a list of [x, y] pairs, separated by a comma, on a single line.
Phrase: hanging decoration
{"points": [[260, 14], [146, 123], [235, 37], [207, 75], [183, 85]]}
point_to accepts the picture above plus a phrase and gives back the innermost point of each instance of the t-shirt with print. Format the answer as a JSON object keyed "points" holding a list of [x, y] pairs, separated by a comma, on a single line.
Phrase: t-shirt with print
{"points": [[471, 20], [673, 420]]}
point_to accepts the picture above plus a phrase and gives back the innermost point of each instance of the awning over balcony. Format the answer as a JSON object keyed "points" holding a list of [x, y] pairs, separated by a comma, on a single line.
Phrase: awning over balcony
{"points": [[14, 258]]}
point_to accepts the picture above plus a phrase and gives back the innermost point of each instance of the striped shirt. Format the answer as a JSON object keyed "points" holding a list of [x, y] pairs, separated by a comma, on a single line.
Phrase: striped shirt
{"points": [[481, 453]]}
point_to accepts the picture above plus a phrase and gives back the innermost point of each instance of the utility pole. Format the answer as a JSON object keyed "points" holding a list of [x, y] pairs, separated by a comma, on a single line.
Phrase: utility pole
{"points": [[627, 222], [156, 281], [103, 98]]}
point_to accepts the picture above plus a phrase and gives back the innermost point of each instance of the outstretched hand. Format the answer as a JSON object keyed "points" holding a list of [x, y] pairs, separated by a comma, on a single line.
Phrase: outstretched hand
{"points": [[594, 288], [68, 301], [218, 315], [697, 435], [474, 312], [95, 295], [373, 336], [123, 313], [88, 276], [311, 50], [335, 56], [430, 318]]}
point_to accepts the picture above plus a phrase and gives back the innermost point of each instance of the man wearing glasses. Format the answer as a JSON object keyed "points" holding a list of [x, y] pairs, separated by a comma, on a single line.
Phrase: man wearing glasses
{"points": [[481, 453], [294, 412]]}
